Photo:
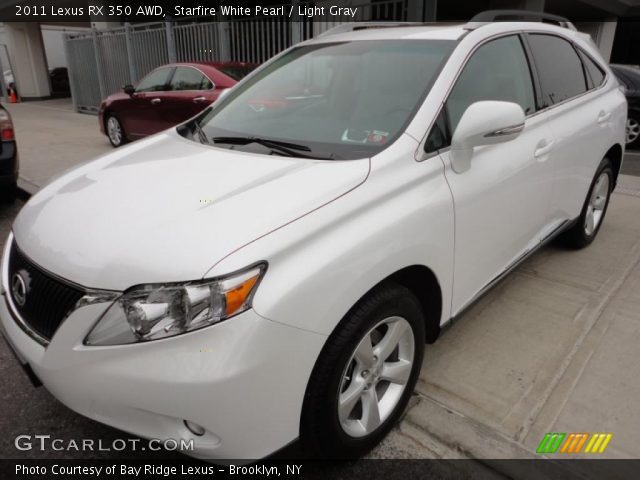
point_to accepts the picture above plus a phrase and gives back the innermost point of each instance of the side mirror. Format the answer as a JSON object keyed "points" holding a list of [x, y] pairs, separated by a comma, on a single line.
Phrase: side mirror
{"points": [[484, 123], [128, 89]]}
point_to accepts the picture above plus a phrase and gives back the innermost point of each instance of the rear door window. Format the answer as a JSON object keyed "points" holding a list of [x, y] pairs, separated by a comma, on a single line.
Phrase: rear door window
{"points": [[560, 69], [187, 78]]}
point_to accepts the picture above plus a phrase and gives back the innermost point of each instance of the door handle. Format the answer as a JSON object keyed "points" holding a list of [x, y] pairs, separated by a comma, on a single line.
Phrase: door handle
{"points": [[155, 101], [543, 148], [199, 99], [603, 117]]}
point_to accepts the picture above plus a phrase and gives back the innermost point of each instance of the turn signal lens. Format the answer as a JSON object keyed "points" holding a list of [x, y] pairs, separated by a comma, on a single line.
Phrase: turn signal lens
{"points": [[236, 298]]}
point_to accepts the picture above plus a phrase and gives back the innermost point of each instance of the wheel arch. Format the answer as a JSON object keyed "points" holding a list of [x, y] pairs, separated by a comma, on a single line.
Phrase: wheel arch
{"points": [[105, 116], [424, 284], [614, 154]]}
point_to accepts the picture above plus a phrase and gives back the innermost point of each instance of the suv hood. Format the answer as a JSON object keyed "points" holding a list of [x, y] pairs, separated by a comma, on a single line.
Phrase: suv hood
{"points": [[166, 209]]}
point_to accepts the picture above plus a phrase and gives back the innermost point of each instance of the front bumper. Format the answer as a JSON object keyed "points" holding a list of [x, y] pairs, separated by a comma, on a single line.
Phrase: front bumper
{"points": [[243, 380]]}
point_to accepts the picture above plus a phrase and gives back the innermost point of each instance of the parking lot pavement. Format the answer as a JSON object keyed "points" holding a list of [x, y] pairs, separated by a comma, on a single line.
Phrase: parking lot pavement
{"points": [[53, 138], [631, 164]]}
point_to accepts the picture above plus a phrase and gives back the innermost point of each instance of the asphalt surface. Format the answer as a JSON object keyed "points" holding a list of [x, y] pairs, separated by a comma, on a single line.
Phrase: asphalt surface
{"points": [[631, 164]]}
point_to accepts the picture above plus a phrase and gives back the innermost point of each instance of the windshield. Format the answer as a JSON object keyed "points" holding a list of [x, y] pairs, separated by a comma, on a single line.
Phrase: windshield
{"points": [[337, 100]]}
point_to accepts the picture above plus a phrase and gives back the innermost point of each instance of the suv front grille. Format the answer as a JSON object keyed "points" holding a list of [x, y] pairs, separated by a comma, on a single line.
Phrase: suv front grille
{"points": [[41, 300]]}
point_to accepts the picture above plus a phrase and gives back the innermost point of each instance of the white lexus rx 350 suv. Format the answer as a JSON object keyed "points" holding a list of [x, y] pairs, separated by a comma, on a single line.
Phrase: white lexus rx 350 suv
{"points": [[272, 269]]}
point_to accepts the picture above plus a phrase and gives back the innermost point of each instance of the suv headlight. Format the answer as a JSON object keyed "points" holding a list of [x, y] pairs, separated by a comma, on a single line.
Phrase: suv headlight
{"points": [[151, 312]]}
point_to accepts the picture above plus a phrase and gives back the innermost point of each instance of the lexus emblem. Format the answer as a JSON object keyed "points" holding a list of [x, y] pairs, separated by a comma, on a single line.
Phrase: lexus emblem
{"points": [[19, 289]]}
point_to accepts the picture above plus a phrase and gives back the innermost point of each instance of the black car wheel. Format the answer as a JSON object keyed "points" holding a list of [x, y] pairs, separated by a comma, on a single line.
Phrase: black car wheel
{"points": [[633, 130], [365, 374], [594, 208]]}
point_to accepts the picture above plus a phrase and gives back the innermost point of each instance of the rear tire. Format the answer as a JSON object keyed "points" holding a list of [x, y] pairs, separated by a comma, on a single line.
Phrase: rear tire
{"points": [[633, 131], [594, 208], [365, 374], [115, 132]]}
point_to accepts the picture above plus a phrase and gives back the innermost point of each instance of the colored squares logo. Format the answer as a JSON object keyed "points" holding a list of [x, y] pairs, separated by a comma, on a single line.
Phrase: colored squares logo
{"points": [[574, 443]]}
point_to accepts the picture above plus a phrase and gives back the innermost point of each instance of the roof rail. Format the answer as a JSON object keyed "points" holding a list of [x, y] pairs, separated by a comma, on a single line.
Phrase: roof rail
{"points": [[489, 16], [353, 26]]}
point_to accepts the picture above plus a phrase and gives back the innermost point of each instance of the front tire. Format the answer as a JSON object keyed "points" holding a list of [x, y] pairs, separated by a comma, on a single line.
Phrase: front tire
{"points": [[594, 208], [365, 374], [114, 130]]}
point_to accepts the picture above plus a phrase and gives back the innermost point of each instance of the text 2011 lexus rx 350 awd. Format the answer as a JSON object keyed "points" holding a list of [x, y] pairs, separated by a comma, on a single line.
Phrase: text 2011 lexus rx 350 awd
{"points": [[272, 269]]}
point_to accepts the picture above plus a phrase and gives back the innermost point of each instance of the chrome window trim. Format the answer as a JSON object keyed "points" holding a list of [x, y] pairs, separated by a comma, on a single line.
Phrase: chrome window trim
{"points": [[421, 155]]}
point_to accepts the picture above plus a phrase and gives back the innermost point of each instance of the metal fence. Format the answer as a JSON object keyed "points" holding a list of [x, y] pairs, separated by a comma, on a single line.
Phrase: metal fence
{"points": [[100, 62]]}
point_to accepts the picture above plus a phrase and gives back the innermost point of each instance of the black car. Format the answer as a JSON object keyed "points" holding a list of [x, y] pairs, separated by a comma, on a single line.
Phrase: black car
{"points": [[8, 157], [629, 78]]}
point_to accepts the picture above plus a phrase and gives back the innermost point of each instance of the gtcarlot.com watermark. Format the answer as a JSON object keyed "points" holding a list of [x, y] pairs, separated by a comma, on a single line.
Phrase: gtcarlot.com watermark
{"points": [[47, 443]]}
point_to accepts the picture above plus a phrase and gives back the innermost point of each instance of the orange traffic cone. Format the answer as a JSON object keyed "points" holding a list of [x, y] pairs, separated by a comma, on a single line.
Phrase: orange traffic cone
{"points": [[13, 98]]}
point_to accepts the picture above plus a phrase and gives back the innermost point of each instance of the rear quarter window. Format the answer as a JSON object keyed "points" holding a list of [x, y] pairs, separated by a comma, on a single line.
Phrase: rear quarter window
{"points": [[594, 71]]}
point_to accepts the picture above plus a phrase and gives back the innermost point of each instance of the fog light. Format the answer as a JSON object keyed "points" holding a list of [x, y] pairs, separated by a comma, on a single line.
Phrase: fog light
{"points": [[194, 428]]}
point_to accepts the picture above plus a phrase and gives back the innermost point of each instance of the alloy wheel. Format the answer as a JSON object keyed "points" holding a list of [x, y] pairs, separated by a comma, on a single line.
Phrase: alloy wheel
{"points": [[114, 130], [633, 130], [376, 376], [597, 204]]}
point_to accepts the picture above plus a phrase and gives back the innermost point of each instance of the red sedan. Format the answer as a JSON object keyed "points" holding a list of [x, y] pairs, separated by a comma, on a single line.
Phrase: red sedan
{"points": [[167, 96]]}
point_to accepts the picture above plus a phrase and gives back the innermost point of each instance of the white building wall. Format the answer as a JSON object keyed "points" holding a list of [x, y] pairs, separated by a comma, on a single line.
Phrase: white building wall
{"points": [[33, 51], [28, 60]]}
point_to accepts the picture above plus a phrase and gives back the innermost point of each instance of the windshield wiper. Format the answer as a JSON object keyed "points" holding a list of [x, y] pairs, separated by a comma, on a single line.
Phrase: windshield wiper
{"points": [[262, 141], [289, 149]]}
